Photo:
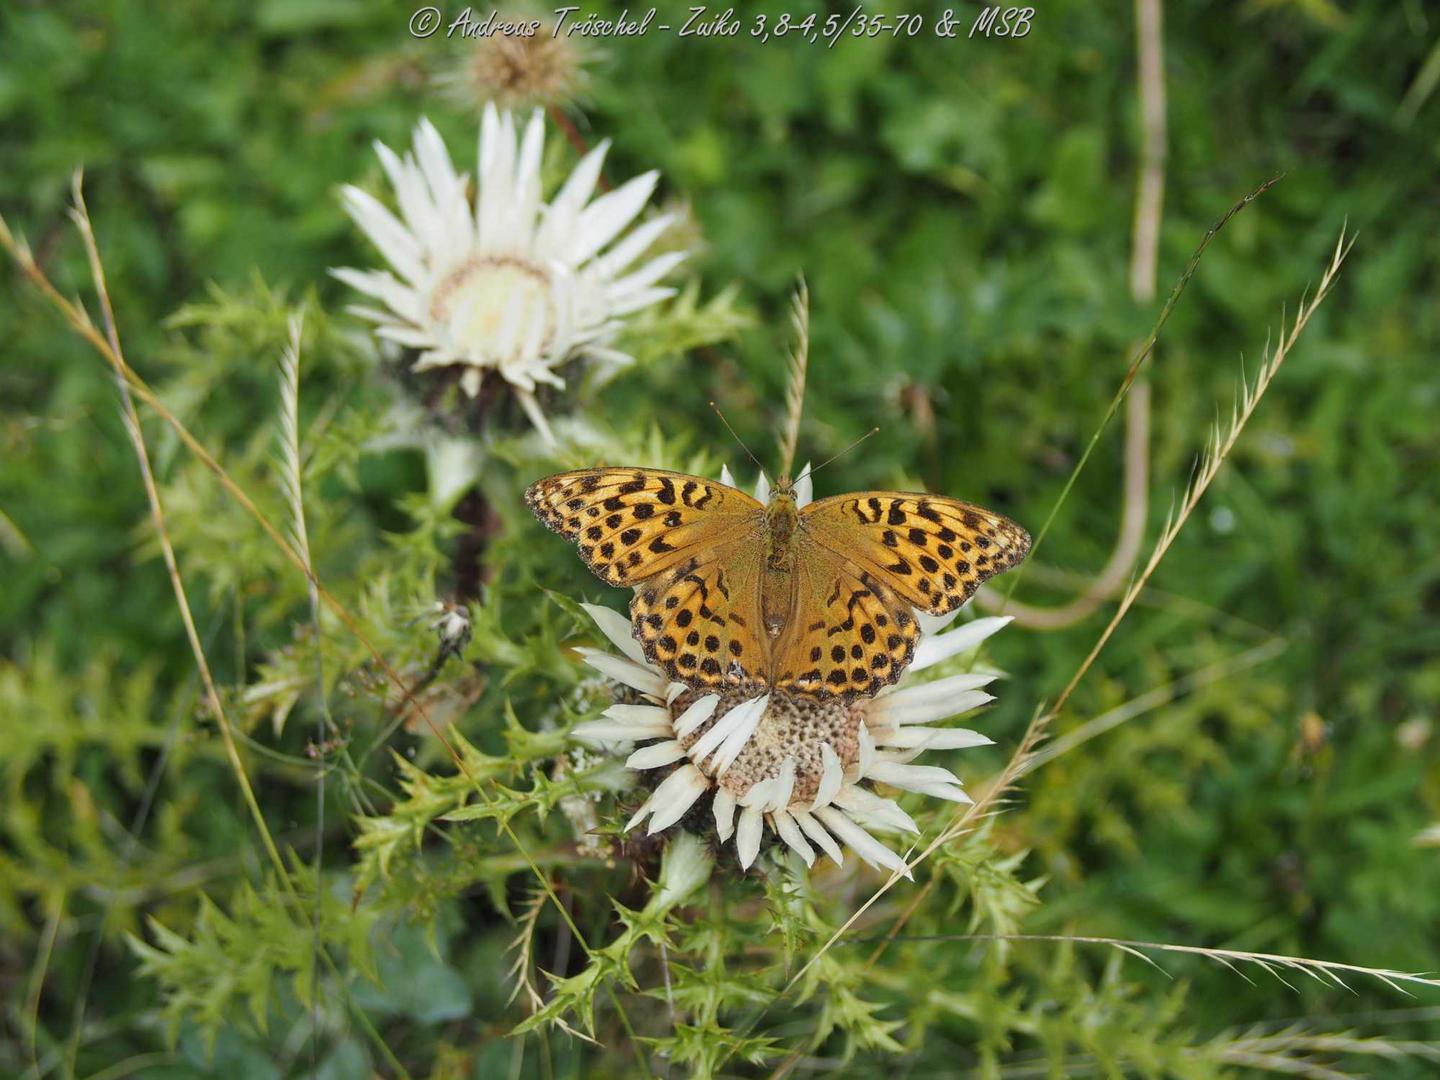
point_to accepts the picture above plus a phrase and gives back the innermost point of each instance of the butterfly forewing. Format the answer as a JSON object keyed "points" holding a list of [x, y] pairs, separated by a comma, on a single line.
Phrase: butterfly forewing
{"points": [[934, 552], [631, 524]]}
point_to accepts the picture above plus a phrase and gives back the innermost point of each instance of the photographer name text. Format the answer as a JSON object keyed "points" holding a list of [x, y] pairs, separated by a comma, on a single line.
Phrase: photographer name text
{"points": [[997, 21]]}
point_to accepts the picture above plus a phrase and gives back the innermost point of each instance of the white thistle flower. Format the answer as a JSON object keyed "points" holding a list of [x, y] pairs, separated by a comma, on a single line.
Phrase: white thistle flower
{"points": [[787, 762], [511, 284]]}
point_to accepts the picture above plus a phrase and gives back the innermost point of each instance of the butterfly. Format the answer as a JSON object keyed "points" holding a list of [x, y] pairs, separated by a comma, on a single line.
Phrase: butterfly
{"points": [[815, 600]]}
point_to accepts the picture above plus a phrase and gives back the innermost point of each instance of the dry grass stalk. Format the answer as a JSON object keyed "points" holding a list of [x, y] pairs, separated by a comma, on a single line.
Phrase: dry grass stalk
{"points": [[1293, 1051], [1144, 260], [1326, 972], [795, 387], [1153, 699], [80, 215], [1027, 754], [1221, 443]]}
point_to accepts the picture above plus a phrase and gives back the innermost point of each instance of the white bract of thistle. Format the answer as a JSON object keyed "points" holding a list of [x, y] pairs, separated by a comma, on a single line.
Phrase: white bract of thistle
{"points": [[511, 284], [797, 765]]}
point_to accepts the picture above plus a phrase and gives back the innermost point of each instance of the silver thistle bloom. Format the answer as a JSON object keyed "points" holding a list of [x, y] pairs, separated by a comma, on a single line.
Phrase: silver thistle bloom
{"points": [[513, 285], [801, 767]]}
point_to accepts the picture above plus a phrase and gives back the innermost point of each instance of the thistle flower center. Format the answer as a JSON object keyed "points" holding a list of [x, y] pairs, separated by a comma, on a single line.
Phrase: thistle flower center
{"points": [[792, 727], [499, 309]]}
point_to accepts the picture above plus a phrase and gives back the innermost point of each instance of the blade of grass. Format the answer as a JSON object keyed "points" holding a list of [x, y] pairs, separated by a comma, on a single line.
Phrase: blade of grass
{"points": [[1147, 346], [291, 473], [1161, 695], [1327, 972], [1222, 442], [37, 976], [80, 215]]}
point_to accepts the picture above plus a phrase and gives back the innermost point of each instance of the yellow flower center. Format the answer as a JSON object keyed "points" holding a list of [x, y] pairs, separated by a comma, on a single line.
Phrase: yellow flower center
{"points": [[498, 308]]}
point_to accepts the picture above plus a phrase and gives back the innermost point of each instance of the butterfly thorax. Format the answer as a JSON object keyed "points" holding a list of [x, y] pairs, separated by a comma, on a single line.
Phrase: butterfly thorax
{"points": [[781, 519]]}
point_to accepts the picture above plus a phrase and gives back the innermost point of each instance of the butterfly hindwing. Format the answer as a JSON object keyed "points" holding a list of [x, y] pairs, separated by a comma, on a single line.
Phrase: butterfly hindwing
{"points": [[850, 635], [932, 551], [700, 621], [631, 524]]}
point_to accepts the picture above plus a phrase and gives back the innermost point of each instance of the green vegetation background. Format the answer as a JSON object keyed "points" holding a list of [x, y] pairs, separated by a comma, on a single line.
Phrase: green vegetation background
{"points": [[962, 213]]}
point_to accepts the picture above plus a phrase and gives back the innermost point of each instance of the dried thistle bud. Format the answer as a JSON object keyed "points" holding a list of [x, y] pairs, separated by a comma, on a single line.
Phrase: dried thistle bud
{"points": [[517, 71]]}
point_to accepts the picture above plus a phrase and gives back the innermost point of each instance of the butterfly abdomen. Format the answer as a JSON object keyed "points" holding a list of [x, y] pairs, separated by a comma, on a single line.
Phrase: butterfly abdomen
{"points": [[777, 588]]}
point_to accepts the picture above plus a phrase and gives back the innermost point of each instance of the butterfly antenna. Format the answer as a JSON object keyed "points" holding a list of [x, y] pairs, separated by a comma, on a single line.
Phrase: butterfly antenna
{"points": [[737, 438], [795, 391], [857, 442]]}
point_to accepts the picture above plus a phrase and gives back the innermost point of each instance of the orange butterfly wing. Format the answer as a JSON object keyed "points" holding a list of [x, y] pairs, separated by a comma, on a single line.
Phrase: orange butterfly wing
{"points": [[691, 548], [932, 551], [695, 549], [701, 621], [849, 633], [631, 524]]}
